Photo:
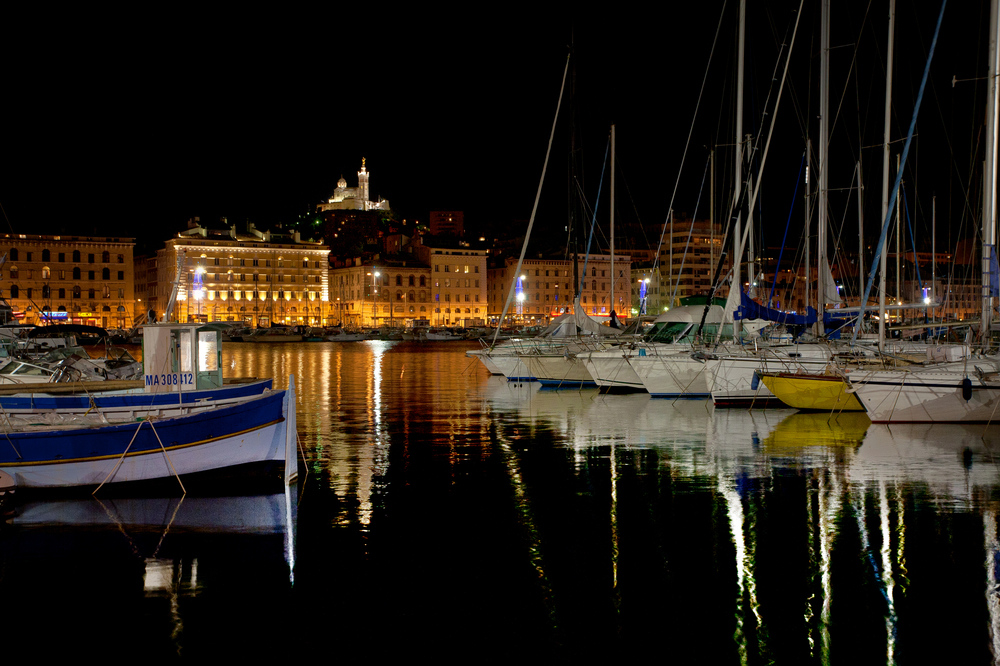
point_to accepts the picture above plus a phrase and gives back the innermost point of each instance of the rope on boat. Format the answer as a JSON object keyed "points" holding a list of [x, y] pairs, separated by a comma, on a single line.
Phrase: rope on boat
{"points": [[125, 453]]}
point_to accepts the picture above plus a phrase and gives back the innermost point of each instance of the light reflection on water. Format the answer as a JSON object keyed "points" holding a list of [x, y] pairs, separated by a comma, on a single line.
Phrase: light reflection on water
{"points": [[443, 505]]}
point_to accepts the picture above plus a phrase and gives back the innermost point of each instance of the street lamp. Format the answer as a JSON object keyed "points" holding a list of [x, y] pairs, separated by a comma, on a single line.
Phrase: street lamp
{"points": [[520, 295], [643, 291], [199, 288]]}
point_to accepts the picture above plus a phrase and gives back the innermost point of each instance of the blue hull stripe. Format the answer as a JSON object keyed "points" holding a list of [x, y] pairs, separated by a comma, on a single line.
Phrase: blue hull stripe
{"points": [[75, 444], [131, 453], [554, 383]]}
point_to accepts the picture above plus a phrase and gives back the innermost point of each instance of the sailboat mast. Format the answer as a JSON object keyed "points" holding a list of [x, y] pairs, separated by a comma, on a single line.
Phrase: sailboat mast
{"points": [[613, 276], [824, 144], [737, 278], [885, 174], [808, 221], [861, 246], [990, 175], [899, 266], [711, 214]]}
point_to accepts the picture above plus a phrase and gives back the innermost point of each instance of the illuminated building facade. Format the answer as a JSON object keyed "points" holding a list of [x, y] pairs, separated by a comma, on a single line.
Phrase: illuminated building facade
{"points": [[257, 278], [688, 259], [544, 288], [457, 279], [69, 279], [382, 293]]}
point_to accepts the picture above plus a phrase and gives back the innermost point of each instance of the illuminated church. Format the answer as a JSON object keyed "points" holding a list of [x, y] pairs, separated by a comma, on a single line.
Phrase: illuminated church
{"points": [[353, 198]]}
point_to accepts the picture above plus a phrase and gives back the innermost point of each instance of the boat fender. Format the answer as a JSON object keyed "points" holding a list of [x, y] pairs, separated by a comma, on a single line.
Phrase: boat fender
{"points": [[967, 389], [755, 381]]}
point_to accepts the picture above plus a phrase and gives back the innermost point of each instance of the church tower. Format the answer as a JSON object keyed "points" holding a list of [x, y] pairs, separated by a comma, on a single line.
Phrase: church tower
{"points": [[363, 182]]}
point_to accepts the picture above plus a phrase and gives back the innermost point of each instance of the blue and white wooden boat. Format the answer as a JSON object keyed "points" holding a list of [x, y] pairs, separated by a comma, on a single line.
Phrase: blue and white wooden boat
{"points": [[190, 438], [157, 433], [182, 364]]}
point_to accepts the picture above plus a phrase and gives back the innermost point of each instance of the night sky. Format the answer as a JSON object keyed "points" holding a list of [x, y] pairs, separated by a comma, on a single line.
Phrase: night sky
{"points": [[130, 124]]}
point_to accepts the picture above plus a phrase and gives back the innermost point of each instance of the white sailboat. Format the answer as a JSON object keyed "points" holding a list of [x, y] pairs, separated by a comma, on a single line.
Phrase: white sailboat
{"points": [[968, 390]]}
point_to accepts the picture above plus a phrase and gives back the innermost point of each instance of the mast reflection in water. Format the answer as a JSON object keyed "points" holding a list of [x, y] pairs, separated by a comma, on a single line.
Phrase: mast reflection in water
{"points": [[449, 513]]}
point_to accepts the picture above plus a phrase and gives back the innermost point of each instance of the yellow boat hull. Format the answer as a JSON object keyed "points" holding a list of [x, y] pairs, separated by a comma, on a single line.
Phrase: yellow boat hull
{"points": [[819, 392]]}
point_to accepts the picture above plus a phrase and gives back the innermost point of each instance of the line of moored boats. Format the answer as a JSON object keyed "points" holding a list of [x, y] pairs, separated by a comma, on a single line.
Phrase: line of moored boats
{"points": [[691, 353]]}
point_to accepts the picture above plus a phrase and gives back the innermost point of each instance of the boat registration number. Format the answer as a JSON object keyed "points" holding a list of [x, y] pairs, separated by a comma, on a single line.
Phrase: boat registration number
{"points": [[171, 379]]}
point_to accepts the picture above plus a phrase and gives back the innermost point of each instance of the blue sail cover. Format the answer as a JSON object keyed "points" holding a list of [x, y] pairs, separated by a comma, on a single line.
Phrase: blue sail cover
{"points": [[750, 309], [833, 321]]}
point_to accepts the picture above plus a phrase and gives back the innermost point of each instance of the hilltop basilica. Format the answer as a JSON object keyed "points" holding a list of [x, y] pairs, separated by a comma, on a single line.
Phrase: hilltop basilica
{"points": [[353, 198]]}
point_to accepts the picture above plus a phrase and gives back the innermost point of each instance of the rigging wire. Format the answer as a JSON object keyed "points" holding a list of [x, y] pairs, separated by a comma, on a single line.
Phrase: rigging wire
{"points": [[694, 217], [687, 142], [899, 173], [788, 222], [534, 208]]}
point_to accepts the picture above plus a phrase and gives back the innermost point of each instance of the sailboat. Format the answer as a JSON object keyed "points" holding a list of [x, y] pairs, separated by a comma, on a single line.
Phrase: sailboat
{"points": [[833, 391], [967, 390]]}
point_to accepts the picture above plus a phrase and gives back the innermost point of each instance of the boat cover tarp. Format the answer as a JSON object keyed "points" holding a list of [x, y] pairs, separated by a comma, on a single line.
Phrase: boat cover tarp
{"points": [[750, 309], [833, 321]]}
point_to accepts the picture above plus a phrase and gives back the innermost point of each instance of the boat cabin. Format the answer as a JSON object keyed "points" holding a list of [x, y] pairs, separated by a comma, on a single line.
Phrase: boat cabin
{"points": [[182, 357]]}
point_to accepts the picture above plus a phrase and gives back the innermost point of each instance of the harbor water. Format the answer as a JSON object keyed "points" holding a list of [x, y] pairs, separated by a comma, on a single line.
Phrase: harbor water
{"points": [[447, 514]]}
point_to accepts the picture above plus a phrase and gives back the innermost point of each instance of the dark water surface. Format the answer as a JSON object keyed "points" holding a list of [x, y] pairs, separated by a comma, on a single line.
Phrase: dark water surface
{"points": [[449, 515]]}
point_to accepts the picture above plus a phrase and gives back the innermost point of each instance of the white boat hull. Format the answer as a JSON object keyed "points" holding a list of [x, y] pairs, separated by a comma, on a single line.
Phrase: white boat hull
{"points": [[613, 370], [927, 396], [673, 375], [558, 371], [261, 445]]}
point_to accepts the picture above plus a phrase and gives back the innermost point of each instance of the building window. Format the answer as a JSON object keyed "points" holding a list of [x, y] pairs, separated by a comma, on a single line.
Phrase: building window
{"points": [[90, 258], [105, 273], [105, 257], [62, 257], [121, 259], [13, 254], [90, 293], [121, 275], [76, 291], [90, 275], [28, 292], [13, 273], [76, 273], [46, 272], [46, 256], [13, 291], [27, 256], [62, 293]]}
